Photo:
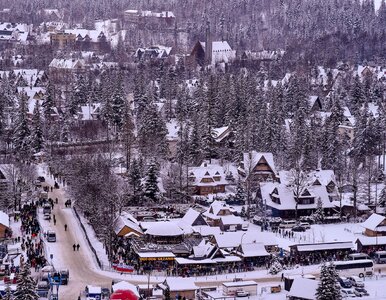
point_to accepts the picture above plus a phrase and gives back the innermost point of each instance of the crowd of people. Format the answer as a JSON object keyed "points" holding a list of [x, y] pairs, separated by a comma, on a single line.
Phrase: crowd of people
{"points": [[31, 242]]}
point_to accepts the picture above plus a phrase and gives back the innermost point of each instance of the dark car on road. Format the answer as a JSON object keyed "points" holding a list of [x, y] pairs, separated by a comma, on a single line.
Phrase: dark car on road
{"points": [[298, 229]]}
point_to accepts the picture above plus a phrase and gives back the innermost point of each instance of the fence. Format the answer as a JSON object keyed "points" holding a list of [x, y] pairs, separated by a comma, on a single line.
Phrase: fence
{"points": [[88, 240]]}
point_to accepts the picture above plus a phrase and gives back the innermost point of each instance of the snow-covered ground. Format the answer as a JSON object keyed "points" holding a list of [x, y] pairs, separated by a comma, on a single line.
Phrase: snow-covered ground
{"points": [[84, 270]]}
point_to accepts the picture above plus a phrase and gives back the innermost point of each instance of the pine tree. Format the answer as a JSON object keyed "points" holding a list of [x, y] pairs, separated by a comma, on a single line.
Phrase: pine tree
{"points": [[26, 286], [240, 195], [318, 216], [195, 154], [21, 133], [152, 133], [37, 139], [48, 102], [118, 104], [135, 180], [151, 183], [328, 288]]}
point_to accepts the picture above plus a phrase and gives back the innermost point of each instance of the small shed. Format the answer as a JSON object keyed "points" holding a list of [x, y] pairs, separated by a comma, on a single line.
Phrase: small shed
{"points": [[179, 287], [303, 289], [230, 288]]}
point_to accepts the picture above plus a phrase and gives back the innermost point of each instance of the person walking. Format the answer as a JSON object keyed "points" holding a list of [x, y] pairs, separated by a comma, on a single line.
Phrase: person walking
{"points": [[65, 227], [77, 247], [74, 247]]}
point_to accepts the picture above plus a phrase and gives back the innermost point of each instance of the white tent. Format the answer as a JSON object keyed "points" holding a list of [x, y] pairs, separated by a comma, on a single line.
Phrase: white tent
{"points": [[125, 286]]}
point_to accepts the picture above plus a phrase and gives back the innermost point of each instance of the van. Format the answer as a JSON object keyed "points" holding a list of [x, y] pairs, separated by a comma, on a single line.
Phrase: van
{"points": [[357, 256], [46, 209], [287, 224], [380, 257], [51, 236], [64, 276]]}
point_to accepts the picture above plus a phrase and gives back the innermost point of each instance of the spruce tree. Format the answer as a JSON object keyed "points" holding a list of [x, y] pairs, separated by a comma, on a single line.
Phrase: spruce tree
{"points": [[37, 139], [21, 133], [329, 288], [240, 195], [26, 286], [151, 183], [135, 180]]}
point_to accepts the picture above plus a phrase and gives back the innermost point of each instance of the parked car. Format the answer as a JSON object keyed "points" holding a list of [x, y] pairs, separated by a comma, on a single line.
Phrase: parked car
{"points": [[344, 282], [287, 224], [47, 216], [51, 236], [64, 276], [360, 292], [347, 293], [298, 228], [242, 293], [244, 226], [356, 281], [306, 225]]}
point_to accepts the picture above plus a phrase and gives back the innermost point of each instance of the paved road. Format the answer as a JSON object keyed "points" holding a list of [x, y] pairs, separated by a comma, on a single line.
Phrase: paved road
{"points": [[79, 263]]}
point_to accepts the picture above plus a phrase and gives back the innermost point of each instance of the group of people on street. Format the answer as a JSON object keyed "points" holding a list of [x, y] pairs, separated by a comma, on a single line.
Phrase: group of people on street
{"points": [[76, 247], [31, 242]]}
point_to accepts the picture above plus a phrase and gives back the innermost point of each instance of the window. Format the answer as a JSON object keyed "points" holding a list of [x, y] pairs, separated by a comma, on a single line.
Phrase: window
{"points": [[217, 178]]}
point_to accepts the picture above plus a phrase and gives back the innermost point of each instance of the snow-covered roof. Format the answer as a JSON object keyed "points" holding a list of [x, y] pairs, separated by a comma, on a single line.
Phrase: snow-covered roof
{"points": [[372, 240], [126, 220], [231, 220], [226, 259], [221, 52], [251, 159], [165, 228], [304, 288], [287, 198], [206, 230], [253, 250], [240, 283], [149, 13], [323, 176], [324, 246], [312, 100], [63, 63], [180, 284], [233, 239], [155, 254], [4, 219], [206, 175], [82, 33], [173, 128], [153, 52], [373, 221], [125, 286], [220, 133], [89, 112], [190, 216], [203, 249]]}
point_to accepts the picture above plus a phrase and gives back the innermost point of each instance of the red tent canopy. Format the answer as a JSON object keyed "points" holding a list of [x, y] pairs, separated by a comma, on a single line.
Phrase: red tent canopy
{"points": [[123, 295]]}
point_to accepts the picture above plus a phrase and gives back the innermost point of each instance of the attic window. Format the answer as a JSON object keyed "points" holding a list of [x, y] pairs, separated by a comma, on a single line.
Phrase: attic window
{"points": [[207, 173], [317, 182]]}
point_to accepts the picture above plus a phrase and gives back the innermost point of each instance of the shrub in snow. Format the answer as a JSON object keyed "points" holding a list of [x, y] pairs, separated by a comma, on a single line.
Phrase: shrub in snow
{"points": [[276, 266]]}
